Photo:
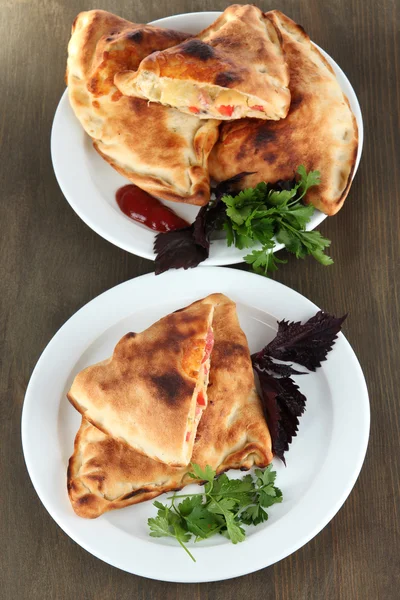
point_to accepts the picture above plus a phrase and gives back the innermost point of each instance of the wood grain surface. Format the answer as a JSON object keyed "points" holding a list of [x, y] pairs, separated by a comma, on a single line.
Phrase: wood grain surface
{"points": [[52, 264]]}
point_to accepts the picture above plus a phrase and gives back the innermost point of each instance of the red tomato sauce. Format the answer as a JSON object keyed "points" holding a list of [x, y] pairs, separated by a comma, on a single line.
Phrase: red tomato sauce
{"points": [[143, 208]]}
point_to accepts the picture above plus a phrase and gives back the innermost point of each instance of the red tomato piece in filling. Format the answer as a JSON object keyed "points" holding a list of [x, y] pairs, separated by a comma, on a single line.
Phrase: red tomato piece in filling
{"points": [[201, 401], [226, 111], [209, 345]]}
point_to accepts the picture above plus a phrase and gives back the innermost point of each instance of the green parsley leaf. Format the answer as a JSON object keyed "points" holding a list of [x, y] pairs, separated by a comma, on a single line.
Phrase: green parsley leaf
{"points": [[189, 504], [223, 507], [281, 198], [307, 180], [240, 490], [159, 527], [268, 494], [230, 236], [263, 260], [242, 240], [291, 242], [267, 497], [265, 477], [203, 523], [206, 474], [235, 532], [298, 216], [254, 515], [268, 216], [322, 258], [263, 230], [169, 524]]}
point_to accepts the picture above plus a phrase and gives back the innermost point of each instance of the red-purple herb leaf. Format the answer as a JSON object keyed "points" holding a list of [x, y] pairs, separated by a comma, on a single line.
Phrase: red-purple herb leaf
{"points": [[227, 186], [178, 249], [264, 363], [188, 247], [305, 344], [282, 401]]}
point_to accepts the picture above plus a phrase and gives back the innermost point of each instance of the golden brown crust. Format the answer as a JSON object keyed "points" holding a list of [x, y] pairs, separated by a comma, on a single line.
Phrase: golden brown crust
{"points": [[103, 44], [105, 474], [320, 130], [241, 51], [158, 149], [145, 393]]}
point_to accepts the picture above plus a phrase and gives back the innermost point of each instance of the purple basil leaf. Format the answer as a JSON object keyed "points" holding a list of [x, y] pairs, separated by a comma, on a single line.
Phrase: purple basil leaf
{"points": [[269, 391], [209, 218], [225, 187], [282, 184], [263, 362], [177, 249], [305, 344], [282, 403], [200, 234]]}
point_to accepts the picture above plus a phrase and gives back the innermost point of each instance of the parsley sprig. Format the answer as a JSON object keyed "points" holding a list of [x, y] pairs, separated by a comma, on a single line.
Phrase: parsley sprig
{"points": [[266, 215], [223, 506]]}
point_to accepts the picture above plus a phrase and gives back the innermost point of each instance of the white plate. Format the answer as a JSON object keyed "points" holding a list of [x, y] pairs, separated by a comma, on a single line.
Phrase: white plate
{"points": [[322, 464], [89, 183]]}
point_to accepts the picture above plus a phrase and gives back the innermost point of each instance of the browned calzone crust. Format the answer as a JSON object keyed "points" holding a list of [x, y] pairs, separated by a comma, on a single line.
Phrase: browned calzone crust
{"points": [[319, 132], [105, 474], [146, 393], [158, 149], [237, 61]]}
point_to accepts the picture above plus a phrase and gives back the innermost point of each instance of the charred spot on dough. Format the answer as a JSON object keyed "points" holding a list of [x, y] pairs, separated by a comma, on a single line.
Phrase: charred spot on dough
{"points": [[135, 493], [264, 136], [85, 500], [136, 36], [171, 387], [138, 105], [227, 42], [270, 158], [116, 96], [226, 354], [226, 78], [130, 334], [296, 101], [92, 86], [187, 317], [95, 477], [198, 49], [242, 153]]}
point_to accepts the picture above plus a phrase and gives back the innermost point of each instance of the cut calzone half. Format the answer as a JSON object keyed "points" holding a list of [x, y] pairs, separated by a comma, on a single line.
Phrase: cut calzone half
{"points": [[235, 68], [320, 131], [152, 392], [159, 149], [105, 474]]}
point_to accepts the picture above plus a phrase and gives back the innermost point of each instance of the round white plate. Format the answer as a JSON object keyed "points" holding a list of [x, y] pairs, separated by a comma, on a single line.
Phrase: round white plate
{"points": [[322, 464], [89, 183]]}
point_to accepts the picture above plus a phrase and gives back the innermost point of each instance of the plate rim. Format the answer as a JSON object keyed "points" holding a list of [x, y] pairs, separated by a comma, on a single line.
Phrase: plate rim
{"points": [[231, 274], [234, 255]]}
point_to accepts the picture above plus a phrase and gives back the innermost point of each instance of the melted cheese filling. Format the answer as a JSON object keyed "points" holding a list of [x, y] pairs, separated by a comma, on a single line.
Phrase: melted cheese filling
{"points": [[202, 100], [201, 387]]}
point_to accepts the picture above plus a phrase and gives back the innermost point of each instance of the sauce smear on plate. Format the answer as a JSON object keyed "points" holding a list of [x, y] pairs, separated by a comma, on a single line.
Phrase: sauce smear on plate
{"points": [[143, 208]]}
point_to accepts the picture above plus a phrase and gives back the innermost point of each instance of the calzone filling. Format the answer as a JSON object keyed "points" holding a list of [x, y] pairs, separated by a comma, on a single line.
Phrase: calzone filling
{"points": [[200, 392], [205, 100]]}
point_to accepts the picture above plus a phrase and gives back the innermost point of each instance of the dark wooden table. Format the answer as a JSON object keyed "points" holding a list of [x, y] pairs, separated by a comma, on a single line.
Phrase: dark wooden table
{"points": [[52, 264]]}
